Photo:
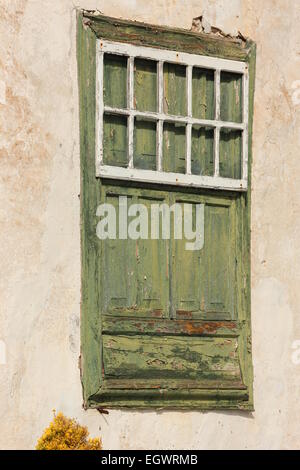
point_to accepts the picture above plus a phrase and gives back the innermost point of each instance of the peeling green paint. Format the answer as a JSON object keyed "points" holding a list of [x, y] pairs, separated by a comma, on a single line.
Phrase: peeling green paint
{"points": [[154, 332]]}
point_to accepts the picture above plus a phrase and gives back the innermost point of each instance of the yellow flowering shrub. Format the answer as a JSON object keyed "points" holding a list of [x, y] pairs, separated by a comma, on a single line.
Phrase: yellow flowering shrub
{"points": [[66, 434]]}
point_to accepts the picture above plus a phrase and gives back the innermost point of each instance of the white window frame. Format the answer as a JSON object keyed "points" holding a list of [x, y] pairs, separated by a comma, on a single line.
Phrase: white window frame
{"points": [[189, 60]]}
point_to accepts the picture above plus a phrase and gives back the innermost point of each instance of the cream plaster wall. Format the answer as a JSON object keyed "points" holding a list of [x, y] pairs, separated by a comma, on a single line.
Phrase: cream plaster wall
{"points": [[39, 227]]}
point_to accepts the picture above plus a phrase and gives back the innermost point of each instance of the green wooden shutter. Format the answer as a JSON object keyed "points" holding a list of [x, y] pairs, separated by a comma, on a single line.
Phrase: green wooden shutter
{"points": [[163, 326]]}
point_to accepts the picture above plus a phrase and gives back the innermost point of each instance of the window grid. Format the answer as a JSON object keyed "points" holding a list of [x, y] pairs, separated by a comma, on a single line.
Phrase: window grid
{"points": [[160, 117]]}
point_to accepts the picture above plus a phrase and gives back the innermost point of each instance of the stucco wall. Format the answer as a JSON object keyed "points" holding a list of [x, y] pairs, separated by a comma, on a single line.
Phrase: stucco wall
{"points": [[39, 236]]}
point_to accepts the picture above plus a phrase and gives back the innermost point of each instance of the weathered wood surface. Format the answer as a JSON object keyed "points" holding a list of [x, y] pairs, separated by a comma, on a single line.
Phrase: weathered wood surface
{"points": [[169, 357], [198, 399], [139, 316], [139, 33], [156, 326], [160, 278]]}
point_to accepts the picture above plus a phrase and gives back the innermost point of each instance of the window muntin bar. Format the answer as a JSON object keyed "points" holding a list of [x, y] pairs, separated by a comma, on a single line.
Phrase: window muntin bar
{"points": [[130, 106], [160, 122], [217, 152], [160, 117], [189, 76], [170, 118], [217, 118]]}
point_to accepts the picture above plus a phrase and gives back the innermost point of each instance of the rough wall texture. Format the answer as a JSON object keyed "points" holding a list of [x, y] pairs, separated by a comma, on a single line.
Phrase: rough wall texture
{"points": [[39, 236]]}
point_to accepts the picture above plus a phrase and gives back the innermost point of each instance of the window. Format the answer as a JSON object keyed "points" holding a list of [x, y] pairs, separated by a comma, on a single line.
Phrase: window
{"points": [[142, 89], [165, 123]]}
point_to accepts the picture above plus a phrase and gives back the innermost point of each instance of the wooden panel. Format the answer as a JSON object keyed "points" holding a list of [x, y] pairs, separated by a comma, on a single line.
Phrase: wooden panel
{"points": [[203, 106], [186, 272], [174, 148], [203, 282], [192, 358], [231, 97], [118, 281], [230, 153], [202, 151], [115, 140], [115, 81], [145, 85], [175, 89], [217, 266], [230, 139], [157, 326], [152, 268], [135, 273], [144, 156]]}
